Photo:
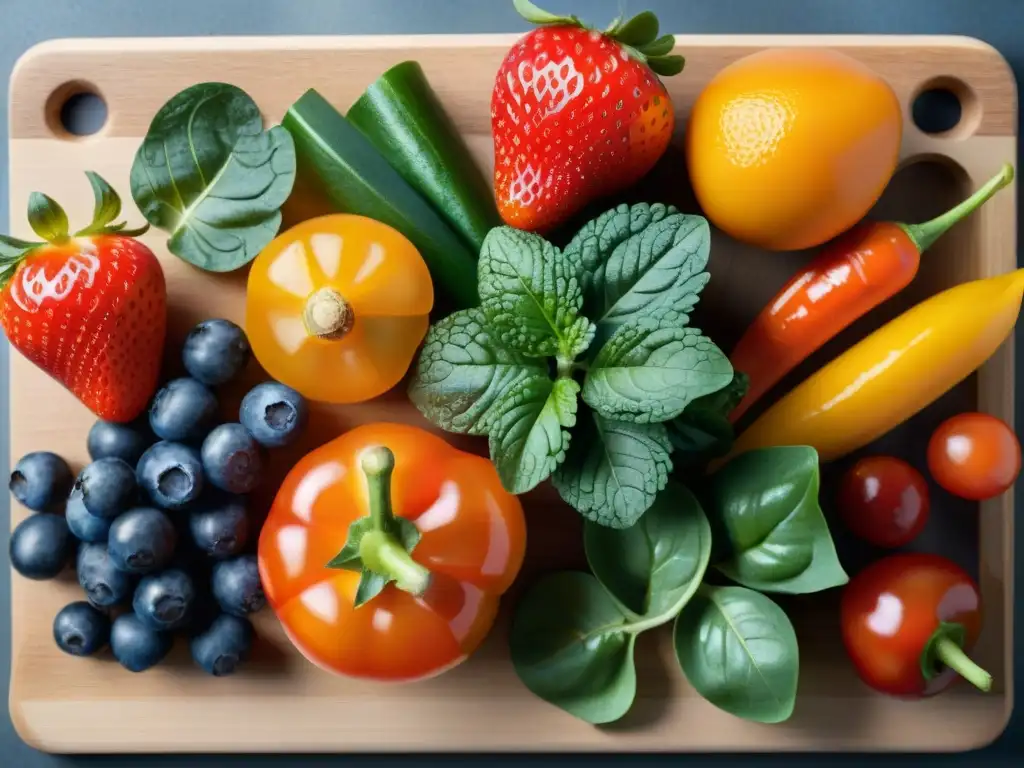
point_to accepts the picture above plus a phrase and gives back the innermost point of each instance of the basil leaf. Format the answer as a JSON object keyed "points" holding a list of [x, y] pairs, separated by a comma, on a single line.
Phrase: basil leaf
{"points": [[570, 647], [531, 294], [614, 469], [529, 430], [703, 431], [639, 258], [463, 374], [652, 368], [210, 176], [739, 651], [654, 567], [766, 504]]}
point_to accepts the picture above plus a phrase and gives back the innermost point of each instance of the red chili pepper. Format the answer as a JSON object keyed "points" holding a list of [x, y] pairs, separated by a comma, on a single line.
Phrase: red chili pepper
{"points": [[854, 274], [908, 621]]}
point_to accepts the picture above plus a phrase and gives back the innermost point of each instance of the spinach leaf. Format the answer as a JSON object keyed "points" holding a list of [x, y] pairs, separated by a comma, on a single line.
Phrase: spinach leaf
{"points": [[739, 651], [766, 503], [570, 645], [652, 368], [703, 431], [639, 258], [654, 567], [209, 174], [531, 295], [464, 374], [529, 432], [614, 469]]}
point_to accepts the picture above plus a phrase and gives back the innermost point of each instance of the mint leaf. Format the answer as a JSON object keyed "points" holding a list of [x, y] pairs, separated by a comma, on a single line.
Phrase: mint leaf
{"points": [[463, 374], [703, 431], [531, 294], [529, 433], [639, 258], [652, 368], [614, 469]]}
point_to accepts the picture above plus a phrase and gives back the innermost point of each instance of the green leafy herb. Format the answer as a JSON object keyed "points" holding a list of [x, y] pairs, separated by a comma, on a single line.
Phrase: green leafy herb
{"points": [[571, 646], [703, 432], [529, 434], [652, 368], [639, 258], [739, 651], [531, 295], [614, 469], [766, 503], [208, 174], [509, 368], [573, 634], [653, 568]]}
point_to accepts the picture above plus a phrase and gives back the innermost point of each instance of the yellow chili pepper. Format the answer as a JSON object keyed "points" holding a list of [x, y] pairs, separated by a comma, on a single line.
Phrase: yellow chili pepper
{"points": [[895, 372]]}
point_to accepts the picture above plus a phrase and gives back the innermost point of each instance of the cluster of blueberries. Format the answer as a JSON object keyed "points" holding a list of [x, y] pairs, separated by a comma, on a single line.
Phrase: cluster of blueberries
{"points": [[158, 520]]}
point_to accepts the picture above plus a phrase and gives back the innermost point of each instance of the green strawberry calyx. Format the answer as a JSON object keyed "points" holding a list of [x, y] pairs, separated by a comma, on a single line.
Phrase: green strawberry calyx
{"points": [[50, 222], [638, 36]]}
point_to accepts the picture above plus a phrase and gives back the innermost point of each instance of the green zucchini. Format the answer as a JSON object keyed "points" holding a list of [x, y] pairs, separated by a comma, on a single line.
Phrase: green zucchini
{"points": [[402, 116], [354, 177]]}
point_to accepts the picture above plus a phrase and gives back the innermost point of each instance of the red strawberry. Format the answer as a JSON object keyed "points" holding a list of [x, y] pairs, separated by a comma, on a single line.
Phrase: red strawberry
{"points": [[90, 309], [577, 114]]}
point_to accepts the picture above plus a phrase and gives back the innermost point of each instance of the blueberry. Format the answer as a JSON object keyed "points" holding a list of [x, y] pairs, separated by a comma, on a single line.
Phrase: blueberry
{"points": [[184, 410], [105, 585], [220, 527], [273, 413], [221, 648], [236, 585], [80, 629], [232, 460], [41, 480], [41, 546], [84, 526], [163, 601], [141, 540], [216, 351], [171, 474], [107, 487], [135, 646], [111, 440]]}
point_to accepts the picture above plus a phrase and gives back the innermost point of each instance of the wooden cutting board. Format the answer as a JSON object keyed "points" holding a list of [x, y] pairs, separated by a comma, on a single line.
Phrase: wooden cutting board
{"points": [[281, 702]]}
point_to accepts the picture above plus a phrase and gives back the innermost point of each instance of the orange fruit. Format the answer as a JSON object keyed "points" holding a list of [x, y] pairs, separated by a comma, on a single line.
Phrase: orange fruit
{"points": [[787, 148]]}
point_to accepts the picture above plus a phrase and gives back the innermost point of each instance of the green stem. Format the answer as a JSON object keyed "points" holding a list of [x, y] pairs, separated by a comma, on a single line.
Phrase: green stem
{"points": [[925, 235], [380, 549], [949, 652]]}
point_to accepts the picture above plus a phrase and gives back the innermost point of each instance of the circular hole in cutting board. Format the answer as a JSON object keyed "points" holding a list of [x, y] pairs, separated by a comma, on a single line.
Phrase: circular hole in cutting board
{"points": [[946, 107], [76, 110]]}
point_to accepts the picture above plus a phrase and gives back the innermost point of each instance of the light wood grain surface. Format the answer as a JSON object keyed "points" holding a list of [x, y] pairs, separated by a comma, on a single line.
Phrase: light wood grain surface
{"points": [[281, 703]]}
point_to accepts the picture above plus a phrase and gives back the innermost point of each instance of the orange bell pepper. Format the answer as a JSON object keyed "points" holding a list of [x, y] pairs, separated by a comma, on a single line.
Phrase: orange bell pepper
{"points": [[337, 306], [386, 552]]}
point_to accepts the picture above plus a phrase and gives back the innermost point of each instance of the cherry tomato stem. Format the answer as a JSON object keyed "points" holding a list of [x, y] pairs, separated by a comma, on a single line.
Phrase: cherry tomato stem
{"points": [[953, 656]]}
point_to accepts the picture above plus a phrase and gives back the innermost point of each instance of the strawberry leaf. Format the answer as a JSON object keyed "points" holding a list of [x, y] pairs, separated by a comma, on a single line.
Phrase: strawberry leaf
{"points": [[659, 47], [13, 250], [539, 16], [47, 218], [652, 368], [531, 295], [108, 203], [666, 66], [639, 30]]}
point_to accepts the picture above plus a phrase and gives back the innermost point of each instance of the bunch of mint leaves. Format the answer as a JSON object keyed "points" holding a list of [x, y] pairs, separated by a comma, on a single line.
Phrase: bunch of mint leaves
{"points": [[604, 321]]}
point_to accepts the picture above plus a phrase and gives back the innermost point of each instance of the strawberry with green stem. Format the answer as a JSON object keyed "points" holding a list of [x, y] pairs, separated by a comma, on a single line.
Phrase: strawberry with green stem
{"points": [[89, 308], [577, 114]]}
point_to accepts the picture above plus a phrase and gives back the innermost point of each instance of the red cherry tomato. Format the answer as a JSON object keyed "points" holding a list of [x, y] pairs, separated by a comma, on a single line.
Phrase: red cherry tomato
{"points": [[884, 501], [908, 621], [974, 455]]}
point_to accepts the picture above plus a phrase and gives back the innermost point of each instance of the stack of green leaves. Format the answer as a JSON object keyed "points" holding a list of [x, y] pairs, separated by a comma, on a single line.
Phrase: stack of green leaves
{"points": [[605, 321]]}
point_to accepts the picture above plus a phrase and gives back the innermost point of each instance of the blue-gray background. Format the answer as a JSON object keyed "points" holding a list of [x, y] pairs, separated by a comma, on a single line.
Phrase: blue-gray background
{"points": [[26, 22]]}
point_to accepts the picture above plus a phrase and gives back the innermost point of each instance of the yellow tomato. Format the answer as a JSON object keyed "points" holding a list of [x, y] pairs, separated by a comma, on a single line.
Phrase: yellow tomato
{"points": [[337, 306], [787, 148]]}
